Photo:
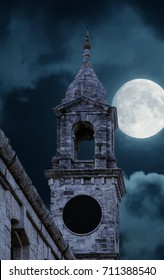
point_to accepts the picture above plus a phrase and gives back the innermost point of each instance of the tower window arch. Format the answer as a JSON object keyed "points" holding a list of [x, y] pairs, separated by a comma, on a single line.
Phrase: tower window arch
{"points": [[84, 143]]}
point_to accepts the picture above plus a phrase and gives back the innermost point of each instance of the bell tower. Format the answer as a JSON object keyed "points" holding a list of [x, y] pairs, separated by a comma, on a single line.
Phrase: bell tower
{"points": [[85, 193]]}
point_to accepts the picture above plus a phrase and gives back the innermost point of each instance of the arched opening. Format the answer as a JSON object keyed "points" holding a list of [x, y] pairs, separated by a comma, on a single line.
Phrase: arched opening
{"points": [[84, 145], [19, 242], [82, 214], [16, 246]]}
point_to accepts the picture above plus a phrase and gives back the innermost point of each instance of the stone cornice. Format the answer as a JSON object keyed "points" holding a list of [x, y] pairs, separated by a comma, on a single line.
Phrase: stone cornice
{"points": [[106, 173], [15, 167]]}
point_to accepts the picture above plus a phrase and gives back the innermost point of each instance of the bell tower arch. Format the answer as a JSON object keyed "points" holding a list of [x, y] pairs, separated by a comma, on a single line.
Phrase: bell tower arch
{"points": [[85, 193], [83, 139]]}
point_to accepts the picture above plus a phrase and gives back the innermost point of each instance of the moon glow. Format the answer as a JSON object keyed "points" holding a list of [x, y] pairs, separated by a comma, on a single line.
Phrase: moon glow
{"points": [[140, 108]]}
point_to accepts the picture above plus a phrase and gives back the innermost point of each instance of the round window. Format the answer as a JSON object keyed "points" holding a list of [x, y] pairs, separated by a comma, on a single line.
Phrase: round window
{"points": [[82, 214]]}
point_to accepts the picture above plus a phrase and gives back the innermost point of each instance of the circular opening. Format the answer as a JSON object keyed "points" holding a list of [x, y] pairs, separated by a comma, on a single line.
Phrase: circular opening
{"points": [[82, 214]]}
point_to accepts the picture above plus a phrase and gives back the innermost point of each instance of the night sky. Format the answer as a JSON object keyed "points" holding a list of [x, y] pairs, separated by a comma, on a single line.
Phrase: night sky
{"points": [[41, 52]]}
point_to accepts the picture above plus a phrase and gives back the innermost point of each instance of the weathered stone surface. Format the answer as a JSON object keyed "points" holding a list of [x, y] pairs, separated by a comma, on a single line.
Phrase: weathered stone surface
{"points": [[23, 216], [84, 114], [86, 83]]}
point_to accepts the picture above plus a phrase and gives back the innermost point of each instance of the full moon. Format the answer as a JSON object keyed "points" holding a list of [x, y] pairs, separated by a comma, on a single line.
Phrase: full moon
{"points": [[140, 108]]}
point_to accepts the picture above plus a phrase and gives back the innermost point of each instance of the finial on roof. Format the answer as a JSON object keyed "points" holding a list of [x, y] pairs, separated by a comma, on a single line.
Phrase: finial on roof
{"points": [[86, 44]]}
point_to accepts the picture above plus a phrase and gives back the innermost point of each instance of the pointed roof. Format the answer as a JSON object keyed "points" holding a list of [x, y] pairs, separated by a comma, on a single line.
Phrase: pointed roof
{"points": [[86, 82]]}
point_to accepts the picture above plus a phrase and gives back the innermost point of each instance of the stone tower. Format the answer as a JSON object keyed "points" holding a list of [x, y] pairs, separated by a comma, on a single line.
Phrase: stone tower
{"points": [[85, 193]]}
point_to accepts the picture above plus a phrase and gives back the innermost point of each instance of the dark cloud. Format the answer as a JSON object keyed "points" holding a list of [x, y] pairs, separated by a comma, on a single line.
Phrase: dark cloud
{"points": [[50, 15], [30, 123], [45, 59], [160, 252], [151, 12], [140, 154], [151, 190], [62, 9], [43, 38], [141, 219], [4, 22]]}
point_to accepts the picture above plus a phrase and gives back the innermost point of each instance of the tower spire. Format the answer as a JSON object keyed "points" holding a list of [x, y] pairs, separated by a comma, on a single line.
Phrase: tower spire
{"points": [[86, 47], [86, 82], [86, 44]]}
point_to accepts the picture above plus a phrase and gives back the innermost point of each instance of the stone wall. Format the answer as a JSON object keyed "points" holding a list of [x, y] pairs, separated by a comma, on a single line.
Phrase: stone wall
{"points": [[105, 237], [98, 179], [27, 230]]}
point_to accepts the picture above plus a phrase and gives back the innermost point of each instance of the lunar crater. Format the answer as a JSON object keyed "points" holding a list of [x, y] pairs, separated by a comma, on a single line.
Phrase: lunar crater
{"points": [[140, 108]]}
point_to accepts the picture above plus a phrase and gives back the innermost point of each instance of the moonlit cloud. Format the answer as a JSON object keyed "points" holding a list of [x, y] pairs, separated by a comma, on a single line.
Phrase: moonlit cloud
{"points": [[141, 216]]}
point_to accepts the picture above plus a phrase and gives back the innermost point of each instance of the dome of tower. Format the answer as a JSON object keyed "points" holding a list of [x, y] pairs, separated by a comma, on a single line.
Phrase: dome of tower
{"points": [[86, 82]]}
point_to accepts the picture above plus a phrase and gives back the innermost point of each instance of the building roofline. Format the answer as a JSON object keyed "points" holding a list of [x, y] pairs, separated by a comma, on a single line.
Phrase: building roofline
{"points": [[18, 172]]}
